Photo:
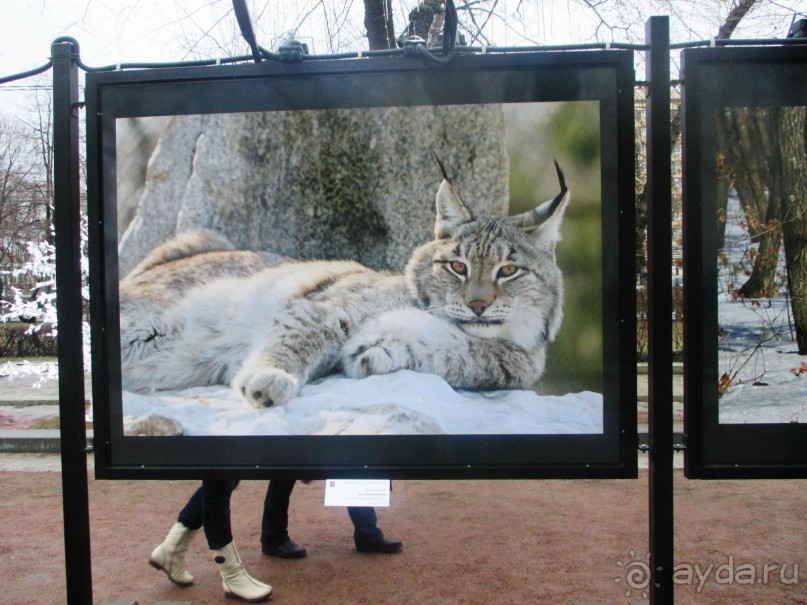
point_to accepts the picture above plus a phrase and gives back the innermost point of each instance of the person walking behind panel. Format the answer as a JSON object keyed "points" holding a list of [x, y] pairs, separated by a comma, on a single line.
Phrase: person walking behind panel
{"points": [[209, 507], [275, 540]]}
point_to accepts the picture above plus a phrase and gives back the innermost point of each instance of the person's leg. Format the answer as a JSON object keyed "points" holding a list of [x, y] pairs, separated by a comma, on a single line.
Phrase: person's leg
{"points": [[236, 582], [170, 555], [215, 497], [366, 533], [365, 523], [191, 515], [275, 539], [275, 522]]}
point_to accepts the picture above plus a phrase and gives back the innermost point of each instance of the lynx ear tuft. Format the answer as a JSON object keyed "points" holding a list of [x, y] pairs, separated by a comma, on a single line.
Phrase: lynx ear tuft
{"points": [[451, 210], [545, 220]]}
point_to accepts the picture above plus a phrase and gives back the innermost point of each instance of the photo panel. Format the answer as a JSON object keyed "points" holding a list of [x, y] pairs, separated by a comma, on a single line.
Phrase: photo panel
{"points": [[744, 202], [364, 268]]}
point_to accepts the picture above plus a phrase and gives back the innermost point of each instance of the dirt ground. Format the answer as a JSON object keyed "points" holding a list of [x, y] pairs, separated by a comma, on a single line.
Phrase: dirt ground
{"points": [[547, 542]]}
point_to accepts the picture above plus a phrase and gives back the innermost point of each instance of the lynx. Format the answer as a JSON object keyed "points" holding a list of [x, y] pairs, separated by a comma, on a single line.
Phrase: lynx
{"points": [[477, 306]]}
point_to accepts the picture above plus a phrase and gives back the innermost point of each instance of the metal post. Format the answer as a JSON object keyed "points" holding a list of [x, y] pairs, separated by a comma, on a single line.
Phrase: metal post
{"points": [[75, 500], [659, 208]]}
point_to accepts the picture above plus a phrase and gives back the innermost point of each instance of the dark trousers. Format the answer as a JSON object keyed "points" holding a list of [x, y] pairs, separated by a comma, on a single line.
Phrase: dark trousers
{"points": [[275, 523], [209, 507]]}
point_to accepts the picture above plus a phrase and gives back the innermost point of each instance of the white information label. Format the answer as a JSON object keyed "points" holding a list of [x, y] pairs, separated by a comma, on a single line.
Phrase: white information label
{"points": [[357, 492]]}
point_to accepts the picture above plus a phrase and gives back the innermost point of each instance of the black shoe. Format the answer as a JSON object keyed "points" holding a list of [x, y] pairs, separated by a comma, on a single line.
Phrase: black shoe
{"points": [[382, 545], [287, 550]]}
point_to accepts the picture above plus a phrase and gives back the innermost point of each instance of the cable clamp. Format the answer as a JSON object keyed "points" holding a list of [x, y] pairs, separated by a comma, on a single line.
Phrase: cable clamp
{"points": [[292, 49], [410, 45]]}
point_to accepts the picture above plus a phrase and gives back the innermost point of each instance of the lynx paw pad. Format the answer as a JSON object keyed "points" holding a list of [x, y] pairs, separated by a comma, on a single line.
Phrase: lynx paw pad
{"points": [[265, 387]]}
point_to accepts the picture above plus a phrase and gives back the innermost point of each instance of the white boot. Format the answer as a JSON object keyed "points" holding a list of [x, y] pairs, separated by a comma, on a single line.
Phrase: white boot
{"points": [[170, 555], [237, 583]]}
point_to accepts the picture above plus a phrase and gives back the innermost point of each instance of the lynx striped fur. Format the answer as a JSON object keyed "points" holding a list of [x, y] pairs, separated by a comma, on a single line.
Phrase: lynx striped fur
{"points": [[476, 305]]}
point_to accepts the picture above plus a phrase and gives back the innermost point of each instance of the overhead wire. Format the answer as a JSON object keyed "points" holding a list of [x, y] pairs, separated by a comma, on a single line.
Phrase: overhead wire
{"points": [[27, 74], [448, 51]]}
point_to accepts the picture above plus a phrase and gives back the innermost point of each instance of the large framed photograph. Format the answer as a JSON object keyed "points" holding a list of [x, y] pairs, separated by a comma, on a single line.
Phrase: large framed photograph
{"points": [[364, 268], [745, 253]]}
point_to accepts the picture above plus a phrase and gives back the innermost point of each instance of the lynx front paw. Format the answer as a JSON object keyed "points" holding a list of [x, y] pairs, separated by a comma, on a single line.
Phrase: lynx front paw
{"points": [[265, 387], [379, 358]]}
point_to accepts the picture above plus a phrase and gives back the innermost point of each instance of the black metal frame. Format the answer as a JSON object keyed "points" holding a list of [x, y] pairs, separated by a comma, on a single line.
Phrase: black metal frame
{"points": [[659, 252], [604, 76], [72, 431], [715, 78]]}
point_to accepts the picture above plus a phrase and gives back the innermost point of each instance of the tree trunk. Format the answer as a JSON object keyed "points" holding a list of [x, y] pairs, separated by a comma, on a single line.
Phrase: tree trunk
{"points": [[793, 133], [762, 281], [749, 143], [723, 189], [733, 19], [379, 24], [724, 180], [422, 17], [748, 148]]}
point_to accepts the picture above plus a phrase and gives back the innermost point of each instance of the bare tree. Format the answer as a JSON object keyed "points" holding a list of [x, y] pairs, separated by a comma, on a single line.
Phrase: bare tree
{"points": [[40, 134], [766, 152], [23, 197], [207, 28], [735, 14], [793, 195]]}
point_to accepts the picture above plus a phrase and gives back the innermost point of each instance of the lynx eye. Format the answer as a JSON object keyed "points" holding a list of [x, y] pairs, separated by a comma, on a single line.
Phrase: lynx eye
{"points": [[507, 271], [458, 267]]}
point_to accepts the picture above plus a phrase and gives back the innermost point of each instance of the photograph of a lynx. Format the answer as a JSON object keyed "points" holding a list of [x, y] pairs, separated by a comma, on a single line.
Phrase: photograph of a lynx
{"points": [[477, 306]]}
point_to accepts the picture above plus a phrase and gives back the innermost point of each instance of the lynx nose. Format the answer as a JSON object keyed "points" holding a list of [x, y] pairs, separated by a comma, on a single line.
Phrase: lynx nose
{"points": [[478, 306]]}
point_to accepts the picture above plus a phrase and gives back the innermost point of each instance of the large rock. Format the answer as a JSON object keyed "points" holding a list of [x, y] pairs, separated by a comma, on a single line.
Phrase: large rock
{"points": [[136, 140], [317, 184]]}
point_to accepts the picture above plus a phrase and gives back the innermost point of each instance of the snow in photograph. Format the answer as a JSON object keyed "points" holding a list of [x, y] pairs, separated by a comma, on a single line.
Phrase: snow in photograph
{"points": [[399, 403], [762, 376]]}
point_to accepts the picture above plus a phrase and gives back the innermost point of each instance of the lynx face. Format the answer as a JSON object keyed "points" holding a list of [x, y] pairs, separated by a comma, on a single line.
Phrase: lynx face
{"points": [[493, 277]]}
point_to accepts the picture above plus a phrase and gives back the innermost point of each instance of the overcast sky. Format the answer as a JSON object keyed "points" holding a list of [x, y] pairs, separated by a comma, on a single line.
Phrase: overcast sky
{"points": [[119, 31]]}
